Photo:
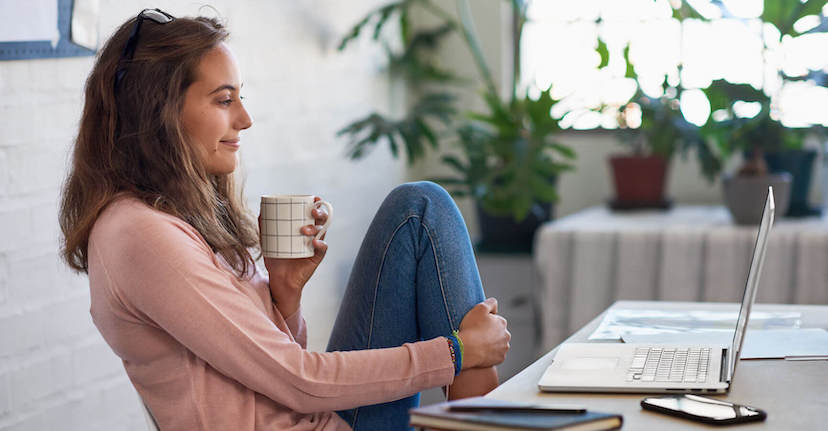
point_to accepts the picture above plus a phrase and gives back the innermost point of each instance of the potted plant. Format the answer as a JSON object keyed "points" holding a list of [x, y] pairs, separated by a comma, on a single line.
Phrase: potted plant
{"points": [[510, 169], [654, 129], [507, 160], [752, 137], [639, 177], [773, 153], [661, 132]]}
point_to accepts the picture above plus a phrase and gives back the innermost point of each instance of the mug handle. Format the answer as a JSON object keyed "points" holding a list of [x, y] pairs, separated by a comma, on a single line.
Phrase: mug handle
{"points": [[329, 207]]}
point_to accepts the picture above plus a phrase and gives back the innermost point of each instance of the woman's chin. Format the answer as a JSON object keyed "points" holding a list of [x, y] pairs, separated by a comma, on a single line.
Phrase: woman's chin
{"points": [[222, 169]]}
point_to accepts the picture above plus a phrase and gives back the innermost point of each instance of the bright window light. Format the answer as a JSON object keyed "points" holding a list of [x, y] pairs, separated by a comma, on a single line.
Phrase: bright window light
{"points": [[695, 107], [746, 109], [744, 8], [559, 50]]}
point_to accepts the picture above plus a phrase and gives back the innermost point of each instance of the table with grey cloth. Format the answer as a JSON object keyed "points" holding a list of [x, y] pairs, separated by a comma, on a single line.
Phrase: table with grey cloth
{"points": [[592, 258]]}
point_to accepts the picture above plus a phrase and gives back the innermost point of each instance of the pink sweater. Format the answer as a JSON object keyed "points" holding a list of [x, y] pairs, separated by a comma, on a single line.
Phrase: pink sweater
{"points": [[207, 351]]}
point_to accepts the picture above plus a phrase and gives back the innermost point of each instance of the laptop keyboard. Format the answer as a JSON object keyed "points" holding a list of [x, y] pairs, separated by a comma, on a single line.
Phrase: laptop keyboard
{"points": [[675, 365]]}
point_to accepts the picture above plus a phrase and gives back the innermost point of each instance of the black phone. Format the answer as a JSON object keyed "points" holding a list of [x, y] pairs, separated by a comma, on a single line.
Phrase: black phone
{"points": [[703, 409]]}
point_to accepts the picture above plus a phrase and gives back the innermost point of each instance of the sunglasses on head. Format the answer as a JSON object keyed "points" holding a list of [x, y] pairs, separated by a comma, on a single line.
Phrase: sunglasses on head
{"points": [[155, 15]]}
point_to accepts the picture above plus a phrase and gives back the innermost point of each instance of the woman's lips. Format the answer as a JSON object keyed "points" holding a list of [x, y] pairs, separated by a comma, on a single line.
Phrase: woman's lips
{"points": [[235, 143]]}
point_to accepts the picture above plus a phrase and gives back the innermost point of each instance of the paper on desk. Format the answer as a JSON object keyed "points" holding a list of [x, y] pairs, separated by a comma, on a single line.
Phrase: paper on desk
{"points": [[793, 344], [622, 322]]}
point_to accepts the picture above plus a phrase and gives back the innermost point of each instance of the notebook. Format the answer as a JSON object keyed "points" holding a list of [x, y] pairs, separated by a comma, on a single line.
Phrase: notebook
{"points": [[440, 416], [660, 368]]}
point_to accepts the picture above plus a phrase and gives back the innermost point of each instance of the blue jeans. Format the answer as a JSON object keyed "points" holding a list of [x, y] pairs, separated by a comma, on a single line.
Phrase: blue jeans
{"points": [[415, 277]]}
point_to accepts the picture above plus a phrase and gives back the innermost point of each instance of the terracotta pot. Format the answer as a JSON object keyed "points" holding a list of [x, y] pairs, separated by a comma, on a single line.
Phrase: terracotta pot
{"points": [[639, 180]]}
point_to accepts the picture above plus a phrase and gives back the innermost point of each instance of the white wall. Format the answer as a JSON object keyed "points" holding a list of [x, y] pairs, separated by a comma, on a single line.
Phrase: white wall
{"points": [[56, 372]]}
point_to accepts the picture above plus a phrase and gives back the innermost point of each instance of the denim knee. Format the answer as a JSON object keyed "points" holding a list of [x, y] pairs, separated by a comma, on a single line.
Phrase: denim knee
{"points": [[415, 190]]}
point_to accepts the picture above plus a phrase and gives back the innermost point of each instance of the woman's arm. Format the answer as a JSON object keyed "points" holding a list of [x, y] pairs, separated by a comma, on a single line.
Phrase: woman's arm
{"points": [[169, 275], [297, 326]]}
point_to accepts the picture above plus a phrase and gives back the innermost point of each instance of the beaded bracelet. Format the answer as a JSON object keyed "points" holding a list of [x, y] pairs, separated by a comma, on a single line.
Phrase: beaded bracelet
{"points": [[456, 350], [456, 334]]}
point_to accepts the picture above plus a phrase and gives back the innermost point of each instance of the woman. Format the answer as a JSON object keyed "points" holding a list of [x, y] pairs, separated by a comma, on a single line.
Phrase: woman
{"points": [[151, 213]]}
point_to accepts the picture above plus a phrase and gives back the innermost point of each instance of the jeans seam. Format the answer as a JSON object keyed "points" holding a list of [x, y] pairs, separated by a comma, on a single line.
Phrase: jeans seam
{"points": [[376, 290], [437, 265], [379, 273]]}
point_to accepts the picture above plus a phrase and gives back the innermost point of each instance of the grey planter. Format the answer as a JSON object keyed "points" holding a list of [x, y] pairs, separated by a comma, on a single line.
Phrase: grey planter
{"points": [[745, 196]]}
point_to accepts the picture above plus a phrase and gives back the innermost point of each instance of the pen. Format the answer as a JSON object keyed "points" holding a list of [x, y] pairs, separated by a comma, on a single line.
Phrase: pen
{"points": [[518, 408]]}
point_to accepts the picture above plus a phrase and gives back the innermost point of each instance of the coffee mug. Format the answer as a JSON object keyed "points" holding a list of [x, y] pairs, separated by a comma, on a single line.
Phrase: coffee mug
{"points": [[283, 217]]}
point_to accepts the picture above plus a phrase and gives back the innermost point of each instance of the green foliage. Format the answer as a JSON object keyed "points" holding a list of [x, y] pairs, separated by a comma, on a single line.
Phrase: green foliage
{"points": [[382, 15], [761, 133], [685, 11], [507, 160], [784, 13], [414, 64], [664, 130], [412, 133], [630, 72], [512, 162], [604, 53], [747, 135]]}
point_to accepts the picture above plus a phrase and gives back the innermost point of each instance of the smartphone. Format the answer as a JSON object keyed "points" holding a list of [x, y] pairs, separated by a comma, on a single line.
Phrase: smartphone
{"points": [[703, 409]]}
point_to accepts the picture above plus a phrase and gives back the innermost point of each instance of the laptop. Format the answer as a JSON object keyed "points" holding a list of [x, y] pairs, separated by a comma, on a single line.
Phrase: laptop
{"points": [[660, 368]]}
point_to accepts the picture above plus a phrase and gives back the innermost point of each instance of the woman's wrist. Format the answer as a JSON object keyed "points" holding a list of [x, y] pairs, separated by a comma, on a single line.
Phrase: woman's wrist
{"points": [[455, 347], [282, 281], [287, 300], [287, 308]]}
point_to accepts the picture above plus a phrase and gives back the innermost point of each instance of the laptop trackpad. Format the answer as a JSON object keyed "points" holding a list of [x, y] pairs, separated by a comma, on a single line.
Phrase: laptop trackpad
{"points": [[590, 363]]}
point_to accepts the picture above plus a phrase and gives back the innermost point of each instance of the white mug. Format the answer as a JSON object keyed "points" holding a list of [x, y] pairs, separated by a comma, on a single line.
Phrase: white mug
{"points": [[283, 217]]}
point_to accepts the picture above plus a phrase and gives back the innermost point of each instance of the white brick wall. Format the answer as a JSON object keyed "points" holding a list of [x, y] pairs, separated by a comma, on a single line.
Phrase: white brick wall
{"points": [[56, 372]]}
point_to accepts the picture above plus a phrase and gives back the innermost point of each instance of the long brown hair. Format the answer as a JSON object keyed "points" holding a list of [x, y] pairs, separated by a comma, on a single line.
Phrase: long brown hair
{"points": [[134, 142]]}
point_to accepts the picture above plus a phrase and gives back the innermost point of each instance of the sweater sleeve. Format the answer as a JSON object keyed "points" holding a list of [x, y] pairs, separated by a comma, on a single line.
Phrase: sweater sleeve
{"points": [[297, 326], [163, 271]]}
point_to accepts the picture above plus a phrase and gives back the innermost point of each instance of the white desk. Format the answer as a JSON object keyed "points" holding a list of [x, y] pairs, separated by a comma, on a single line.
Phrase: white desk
{"points": [[592, 258], [793, 393]]}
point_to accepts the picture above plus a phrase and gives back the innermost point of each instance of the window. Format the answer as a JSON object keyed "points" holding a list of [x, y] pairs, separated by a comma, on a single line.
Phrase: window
{"points": [[559, 49]]}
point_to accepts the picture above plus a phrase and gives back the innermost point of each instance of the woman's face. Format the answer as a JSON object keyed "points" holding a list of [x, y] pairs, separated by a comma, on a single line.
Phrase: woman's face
{"points": [[213, 115]]}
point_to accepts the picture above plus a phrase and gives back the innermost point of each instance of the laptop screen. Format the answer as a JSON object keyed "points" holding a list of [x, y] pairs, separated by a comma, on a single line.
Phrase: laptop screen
{"points": [[752, 282]]}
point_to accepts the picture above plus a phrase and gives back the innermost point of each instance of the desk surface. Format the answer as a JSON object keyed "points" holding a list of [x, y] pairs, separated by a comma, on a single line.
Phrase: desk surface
{"points": [[793, 393]]}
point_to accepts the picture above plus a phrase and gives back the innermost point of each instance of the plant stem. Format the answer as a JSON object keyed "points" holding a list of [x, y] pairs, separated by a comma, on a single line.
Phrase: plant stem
{"points": [[449, 20], [467, 28], [518, 19], [440, 13]]}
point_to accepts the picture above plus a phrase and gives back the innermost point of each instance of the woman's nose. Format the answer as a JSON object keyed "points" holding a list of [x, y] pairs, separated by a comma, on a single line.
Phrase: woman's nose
{"points": [[244, 121]]}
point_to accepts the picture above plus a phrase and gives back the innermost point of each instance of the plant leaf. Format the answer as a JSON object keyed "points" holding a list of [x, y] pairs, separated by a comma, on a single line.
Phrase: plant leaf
{"points": [[382, 13], [453, 162], [630, 72], [603, 52], [784, 13]]}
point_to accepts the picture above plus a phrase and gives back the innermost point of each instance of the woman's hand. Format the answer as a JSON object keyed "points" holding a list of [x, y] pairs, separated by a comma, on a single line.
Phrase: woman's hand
{"points": [[288, 276], [484, 335]]}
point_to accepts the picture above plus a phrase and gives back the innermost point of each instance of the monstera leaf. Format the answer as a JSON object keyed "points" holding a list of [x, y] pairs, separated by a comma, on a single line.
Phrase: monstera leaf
{"points": [[412, 133], [784, 13], [511, 162]]}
